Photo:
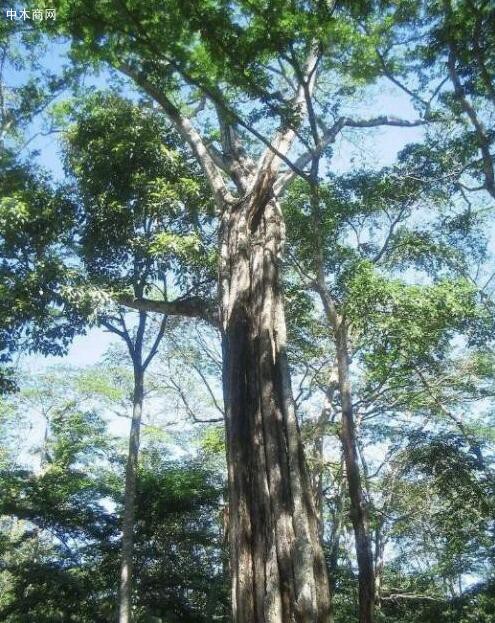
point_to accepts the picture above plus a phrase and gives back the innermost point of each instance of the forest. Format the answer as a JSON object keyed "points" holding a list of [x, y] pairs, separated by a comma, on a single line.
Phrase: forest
{"points": [[247, 311]]}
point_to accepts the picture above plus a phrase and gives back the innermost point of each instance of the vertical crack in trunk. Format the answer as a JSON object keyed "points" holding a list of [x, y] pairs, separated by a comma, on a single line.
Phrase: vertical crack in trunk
{"points": [[277, 564]]}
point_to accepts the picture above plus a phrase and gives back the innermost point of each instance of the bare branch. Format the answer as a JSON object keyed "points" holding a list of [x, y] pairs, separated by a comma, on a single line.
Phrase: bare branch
{"points": [[124, 334], [193, 307], [189, 409], [209, 389], [396, 596], [156, 343], [389, 75], [282, 142], [390, 233]]}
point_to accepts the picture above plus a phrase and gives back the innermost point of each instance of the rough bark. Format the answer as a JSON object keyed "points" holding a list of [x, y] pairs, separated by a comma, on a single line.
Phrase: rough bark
{"points": [[130, 497], [359, 512], [278, 570]]}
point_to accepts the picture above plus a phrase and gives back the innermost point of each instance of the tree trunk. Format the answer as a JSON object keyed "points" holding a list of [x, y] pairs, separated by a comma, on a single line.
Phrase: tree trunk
{"points": [[359, 512], [327, 415], [130, 497], [338, 514], [278, 571], [379, 563]]}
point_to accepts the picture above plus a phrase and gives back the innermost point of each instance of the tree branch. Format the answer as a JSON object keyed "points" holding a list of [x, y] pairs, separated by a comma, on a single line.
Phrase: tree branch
{"points": [[270, 160], [156, 343], [189, 409], [483, 141], [330, 135], [123, 334], [187, 131], [193, 307]]}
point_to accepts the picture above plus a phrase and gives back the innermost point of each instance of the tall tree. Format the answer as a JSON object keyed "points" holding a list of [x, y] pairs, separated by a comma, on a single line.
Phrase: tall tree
{"points": [[258, 70]]}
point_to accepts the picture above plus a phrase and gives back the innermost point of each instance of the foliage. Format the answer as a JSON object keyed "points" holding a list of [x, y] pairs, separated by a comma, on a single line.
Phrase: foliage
{"points": [[36, 224], [142, 201], [405, 251], [60, 530]]}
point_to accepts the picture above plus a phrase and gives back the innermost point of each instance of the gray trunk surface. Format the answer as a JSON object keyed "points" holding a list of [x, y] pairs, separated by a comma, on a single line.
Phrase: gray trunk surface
{"points": [[278, 570]]}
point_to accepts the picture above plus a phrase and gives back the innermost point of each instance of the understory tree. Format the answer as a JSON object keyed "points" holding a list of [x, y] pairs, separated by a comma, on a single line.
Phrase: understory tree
{"points": [[60, 551], [142, 209]]}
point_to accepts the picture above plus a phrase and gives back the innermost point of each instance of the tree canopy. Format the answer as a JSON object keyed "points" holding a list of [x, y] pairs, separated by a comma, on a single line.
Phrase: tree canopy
{"points": [[273, 220]]}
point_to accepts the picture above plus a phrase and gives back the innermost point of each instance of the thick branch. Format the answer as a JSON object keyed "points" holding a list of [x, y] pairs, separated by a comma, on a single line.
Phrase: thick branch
{"points": [[396, 596], [193, 307], [282, 142], [237, 163], [187, 131]]}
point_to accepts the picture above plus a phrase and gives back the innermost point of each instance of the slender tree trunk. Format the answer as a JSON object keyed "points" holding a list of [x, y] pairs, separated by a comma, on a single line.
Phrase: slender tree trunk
{"points": [[278, 571], [359, 512], [130, 497], [379, 563], [327, 414], [334, 540]]}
